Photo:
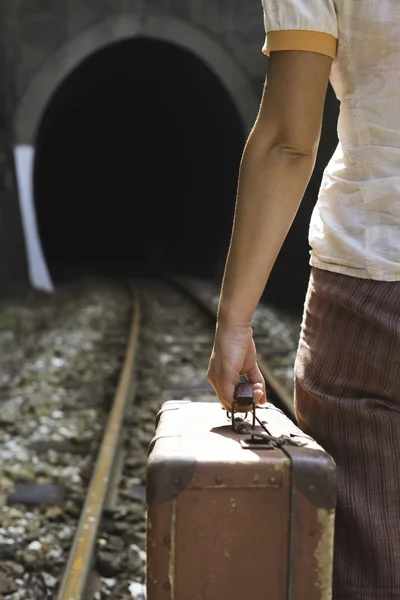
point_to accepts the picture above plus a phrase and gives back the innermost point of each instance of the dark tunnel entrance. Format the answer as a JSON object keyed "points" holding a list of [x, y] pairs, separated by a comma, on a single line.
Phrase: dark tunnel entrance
{"points": [[137, 158]]}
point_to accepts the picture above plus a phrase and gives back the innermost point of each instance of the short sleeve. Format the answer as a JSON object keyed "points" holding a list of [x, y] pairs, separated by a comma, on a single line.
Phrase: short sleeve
{"points": [[301, 25]]}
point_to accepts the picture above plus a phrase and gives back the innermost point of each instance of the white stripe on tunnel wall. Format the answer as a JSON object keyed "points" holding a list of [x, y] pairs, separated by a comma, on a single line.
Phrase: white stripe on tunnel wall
{"points": [[39, 275]]}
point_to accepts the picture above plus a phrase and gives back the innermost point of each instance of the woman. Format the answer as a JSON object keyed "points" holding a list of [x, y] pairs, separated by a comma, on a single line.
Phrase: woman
{"points": [[347, 372]]}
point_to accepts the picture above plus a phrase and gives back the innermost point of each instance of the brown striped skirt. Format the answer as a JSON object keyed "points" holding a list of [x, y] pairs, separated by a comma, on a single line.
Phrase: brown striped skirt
{"points": [[347, 390]]}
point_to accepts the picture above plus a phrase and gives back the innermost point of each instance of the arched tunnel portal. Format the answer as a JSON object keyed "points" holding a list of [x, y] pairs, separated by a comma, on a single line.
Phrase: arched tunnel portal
{"points": [[137, 156], [136, 165]]}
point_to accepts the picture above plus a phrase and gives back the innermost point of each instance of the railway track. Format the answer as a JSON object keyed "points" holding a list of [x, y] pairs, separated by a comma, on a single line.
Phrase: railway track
{"points": [[78, 582], [166, 357], [74, 583]]}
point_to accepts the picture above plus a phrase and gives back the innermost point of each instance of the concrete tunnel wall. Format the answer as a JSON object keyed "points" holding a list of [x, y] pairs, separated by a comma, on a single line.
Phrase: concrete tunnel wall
{"points": [[69, 56], [42, 44]]}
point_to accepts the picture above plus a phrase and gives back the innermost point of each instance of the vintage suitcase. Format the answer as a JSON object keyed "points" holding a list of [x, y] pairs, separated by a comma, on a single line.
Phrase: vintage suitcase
{"points": [[237, 516]]}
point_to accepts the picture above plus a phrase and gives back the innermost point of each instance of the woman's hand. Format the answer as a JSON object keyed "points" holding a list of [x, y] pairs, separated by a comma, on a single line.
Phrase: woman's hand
{"points": [[234, 354]]}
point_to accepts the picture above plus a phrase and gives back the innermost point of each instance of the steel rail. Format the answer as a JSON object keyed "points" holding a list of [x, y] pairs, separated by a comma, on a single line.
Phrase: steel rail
{"points": [[272, 382], [74, 582]]}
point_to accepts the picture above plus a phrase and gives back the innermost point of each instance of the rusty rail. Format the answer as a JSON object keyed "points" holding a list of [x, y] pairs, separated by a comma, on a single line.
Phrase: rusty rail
{"points": [[272, 382], [74, 582]]}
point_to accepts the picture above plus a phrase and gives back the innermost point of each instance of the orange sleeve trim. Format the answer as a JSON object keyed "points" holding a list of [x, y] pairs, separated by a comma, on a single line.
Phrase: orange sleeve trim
{"points": [[295, 39]]}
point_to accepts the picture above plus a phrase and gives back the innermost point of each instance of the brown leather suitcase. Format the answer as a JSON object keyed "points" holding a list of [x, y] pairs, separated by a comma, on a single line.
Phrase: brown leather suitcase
{"points": [[237, 515]]}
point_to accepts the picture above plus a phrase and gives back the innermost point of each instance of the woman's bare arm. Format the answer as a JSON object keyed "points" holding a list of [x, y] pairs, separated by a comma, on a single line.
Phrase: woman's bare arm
{"points": [[276, 167]]}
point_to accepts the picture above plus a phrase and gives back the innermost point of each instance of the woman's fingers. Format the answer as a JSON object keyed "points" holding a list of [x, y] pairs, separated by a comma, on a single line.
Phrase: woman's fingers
{"points": [[218, 390], [259, 395], [225, 385], [234, 354], [256, 378]]}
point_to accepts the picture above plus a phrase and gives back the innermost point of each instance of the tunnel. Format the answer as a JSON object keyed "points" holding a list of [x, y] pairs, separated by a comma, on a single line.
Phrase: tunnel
{"points": [[137, 158]]}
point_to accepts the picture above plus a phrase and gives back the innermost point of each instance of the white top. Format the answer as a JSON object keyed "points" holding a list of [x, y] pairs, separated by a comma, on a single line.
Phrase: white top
{"points": [[355, 226]]}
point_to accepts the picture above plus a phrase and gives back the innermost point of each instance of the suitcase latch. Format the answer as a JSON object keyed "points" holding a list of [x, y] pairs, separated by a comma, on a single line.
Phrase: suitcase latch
{"points": [[264, 441], [258, 443]]}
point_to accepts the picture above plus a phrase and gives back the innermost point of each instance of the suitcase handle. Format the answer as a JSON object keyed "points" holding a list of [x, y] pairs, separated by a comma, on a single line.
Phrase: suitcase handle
{"points": [[243, 396]]}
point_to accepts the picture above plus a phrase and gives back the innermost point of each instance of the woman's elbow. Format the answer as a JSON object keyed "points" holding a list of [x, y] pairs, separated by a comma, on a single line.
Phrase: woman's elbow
{"points": [[296, 149], [290, 149]]}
